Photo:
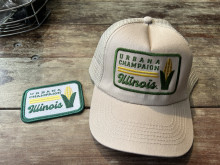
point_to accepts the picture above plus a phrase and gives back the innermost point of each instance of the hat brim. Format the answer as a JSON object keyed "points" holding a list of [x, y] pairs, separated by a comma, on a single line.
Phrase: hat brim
{"points": [[165, 131]]}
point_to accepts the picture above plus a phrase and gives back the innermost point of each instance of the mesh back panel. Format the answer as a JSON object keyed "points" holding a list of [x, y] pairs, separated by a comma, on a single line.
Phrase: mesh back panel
{"points": [[97, 64]]}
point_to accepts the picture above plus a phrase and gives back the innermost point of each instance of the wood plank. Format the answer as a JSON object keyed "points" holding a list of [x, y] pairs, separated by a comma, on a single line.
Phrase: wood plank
{"points": [[208, 71], [52, 41], [108, 12], [68, 140], [19, 74]]}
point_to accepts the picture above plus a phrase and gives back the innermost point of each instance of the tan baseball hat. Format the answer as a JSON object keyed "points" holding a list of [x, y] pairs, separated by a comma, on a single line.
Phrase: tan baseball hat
{"points": [[140, 104]]}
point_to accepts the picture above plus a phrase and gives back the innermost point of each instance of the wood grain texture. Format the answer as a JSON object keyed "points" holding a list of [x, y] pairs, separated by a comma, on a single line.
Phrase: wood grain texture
{"points": [[67, 140], [108, 12], [51, 41], [19, 74], [65, 44]]}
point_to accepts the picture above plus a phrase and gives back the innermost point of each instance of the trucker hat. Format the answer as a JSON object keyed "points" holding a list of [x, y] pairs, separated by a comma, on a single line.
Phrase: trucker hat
{"points": [[142, 75]]}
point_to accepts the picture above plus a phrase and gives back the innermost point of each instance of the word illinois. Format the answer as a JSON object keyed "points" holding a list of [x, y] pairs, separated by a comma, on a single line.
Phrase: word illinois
{"points": [[130, 81], [42, 107]]}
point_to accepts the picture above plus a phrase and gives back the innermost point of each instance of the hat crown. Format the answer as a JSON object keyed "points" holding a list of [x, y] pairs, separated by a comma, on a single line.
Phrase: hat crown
{"points": [[142, 63]]}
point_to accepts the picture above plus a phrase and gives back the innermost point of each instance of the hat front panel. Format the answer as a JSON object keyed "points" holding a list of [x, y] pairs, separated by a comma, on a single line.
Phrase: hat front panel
{"points": [[134, 74]]}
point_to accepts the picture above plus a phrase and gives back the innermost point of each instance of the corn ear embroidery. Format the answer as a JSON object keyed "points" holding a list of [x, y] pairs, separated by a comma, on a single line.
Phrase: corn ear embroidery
{"points": [[68, 97], [52, 101], [68, 92], [166, 75], [146, 72], [168, 68]]}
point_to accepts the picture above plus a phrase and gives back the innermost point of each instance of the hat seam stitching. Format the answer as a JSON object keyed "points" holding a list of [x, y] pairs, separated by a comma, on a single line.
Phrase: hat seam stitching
{"points": [[131, 124], [179, 122], [184, 131], [110, 37]]}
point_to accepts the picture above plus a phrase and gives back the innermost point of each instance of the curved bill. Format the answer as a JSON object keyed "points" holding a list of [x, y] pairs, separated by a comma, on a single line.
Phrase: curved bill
{"points": [[165, 131]]}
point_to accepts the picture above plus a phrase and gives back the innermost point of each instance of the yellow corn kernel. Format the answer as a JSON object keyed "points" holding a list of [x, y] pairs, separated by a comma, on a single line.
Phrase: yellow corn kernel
{"points": [[68, 92], [168, 68]]}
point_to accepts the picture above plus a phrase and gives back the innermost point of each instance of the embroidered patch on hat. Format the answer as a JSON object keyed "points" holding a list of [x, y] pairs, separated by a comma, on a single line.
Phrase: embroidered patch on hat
{"points": [[52, 101], [148, 73]]}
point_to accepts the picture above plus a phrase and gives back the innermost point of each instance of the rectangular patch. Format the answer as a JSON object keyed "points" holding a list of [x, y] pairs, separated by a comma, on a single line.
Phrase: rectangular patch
{"points": [[52, 101], [147, 73]]}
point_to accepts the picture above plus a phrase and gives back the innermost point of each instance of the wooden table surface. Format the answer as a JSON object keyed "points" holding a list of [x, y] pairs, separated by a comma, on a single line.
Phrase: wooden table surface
{"points": [[65, 44]]}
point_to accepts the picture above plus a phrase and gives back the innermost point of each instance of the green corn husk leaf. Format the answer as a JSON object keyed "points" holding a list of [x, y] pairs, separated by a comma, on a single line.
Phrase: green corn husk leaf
{"points": [[69, 103], [169, 78], [66, 101], [165, 82], [162, 80], [72, 98]]}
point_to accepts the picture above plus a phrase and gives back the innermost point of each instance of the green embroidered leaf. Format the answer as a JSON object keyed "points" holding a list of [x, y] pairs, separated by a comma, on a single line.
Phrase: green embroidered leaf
{"points": [[72, 98], [165, 83], [162, 80], [66, 101], [169, 78], [69, 103]]}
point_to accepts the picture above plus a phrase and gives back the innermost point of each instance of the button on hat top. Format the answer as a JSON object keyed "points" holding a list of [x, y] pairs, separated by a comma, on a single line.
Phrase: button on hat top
{"points": [[140, 101], [148, 20]]}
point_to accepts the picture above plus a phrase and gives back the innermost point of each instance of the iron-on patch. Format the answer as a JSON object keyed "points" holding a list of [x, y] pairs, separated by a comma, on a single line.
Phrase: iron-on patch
{"points": [[52, 101]]}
